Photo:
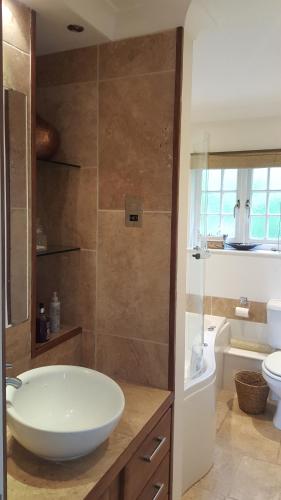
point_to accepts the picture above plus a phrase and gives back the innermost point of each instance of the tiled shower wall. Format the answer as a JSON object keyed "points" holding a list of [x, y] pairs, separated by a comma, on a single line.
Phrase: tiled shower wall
{"points": [[114, 108]]}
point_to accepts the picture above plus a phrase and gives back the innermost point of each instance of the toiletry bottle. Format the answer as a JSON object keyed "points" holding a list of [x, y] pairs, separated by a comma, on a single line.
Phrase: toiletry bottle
{"points": [[41, 325], [55, 313]]}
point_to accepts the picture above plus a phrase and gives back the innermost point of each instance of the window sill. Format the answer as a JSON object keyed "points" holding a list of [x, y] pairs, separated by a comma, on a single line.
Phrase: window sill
{"points": [[250, 253]]}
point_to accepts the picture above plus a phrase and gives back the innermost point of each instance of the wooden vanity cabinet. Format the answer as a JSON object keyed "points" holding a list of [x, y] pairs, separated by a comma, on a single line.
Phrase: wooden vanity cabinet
{"points": [[146, 476]]}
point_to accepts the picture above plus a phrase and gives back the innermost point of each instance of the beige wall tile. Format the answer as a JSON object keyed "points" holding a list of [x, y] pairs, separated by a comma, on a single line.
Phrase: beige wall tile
{"points": [[16, 69], [135, 56], [70, 66], [88, 349], [67, 205], [18, 168], [16, 24], [60, 273], [87, 292], [194, 303], [72, 109], [57, 204], [19, 300], [136, 141], [133, 277], [86, 218], [68, 353], [226, 307], [133, 360], [18, 347]]}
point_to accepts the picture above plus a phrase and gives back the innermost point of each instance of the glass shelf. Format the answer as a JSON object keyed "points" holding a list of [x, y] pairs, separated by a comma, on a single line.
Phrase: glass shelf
{"points": [[55, 163], [54, 249]]}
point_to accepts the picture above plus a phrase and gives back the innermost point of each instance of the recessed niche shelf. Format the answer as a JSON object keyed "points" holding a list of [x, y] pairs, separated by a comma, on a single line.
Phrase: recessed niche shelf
{"points": [[54, 163], [55, 249], [66, 332]]}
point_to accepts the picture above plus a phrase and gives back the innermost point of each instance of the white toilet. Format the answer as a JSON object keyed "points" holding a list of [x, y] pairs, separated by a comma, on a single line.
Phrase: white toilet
{"points": [[271, 366]]}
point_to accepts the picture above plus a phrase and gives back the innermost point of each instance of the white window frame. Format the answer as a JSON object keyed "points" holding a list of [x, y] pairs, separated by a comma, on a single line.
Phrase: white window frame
{"points": [[242, 218]]}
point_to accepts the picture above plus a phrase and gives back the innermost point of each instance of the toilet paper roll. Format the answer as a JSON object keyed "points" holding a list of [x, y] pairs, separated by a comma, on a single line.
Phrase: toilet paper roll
{"points": [[243, 312]]}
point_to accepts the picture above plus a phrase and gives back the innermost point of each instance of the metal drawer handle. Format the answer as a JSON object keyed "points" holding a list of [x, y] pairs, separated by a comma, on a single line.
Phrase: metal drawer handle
{"points": [[160, 440], [159, 488]]}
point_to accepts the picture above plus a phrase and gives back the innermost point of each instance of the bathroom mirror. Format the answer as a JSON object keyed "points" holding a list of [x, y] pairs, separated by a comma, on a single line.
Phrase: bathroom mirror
{"points": [[16, 181]]}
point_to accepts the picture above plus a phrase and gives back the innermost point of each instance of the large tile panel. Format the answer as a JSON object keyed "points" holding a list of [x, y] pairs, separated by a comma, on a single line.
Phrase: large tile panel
{"points": [[67, 205], [16, 25], [68, 353], [136, 141], [16, 69], [70, 66], [135, 361], [72, 109], [133, 277], [139, 55]]}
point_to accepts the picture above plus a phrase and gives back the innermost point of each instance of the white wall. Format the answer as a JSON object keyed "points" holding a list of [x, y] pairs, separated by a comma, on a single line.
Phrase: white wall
{"points": [[256, 276], [240, 135]]}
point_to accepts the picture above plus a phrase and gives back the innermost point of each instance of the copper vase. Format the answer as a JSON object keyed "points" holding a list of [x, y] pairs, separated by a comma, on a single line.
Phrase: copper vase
{"points": [[47, 139]]}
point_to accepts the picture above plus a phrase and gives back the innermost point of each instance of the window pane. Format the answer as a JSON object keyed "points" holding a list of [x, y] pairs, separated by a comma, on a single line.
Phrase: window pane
{"points": [[204, 180], [214, 201], [273, 228], [259, 203], [204, 198], [203, 224], [230, 179], [259, 178], [274, 204], [228, 202], [228, 225], [257, 228], [214, 180], [275, 178], [213, 225]]}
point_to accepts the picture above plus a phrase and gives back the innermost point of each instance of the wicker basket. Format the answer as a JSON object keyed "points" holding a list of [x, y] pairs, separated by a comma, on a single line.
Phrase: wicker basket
{"points": [[252, 392]]}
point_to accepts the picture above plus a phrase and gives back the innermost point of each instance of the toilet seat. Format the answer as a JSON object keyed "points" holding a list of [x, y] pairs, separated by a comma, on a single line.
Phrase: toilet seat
{"points": [[272, 364]]}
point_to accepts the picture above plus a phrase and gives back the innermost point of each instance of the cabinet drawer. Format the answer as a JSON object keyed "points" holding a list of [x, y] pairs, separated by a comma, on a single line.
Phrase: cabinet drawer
{"points": [[147, 458], [158, 485]]}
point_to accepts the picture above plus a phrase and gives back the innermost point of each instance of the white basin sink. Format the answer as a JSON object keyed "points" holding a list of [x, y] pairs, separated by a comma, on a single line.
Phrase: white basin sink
{"points": [[63, 412]]}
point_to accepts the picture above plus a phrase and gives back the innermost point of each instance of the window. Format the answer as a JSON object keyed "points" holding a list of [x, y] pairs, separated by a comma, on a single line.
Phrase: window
{"points": [[244, 204], [218, 198], [265, 204]]}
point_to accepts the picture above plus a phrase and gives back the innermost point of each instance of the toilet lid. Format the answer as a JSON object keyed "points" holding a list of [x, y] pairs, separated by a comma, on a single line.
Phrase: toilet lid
{"points": [[273, 363]]}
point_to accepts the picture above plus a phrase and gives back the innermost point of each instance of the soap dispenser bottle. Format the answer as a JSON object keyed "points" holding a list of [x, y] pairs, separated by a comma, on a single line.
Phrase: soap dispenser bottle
{"points": [[55, 313]]}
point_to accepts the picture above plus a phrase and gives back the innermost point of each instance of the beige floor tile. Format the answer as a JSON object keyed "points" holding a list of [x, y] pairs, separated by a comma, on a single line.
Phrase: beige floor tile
{"points": [[225, 396], [198, 493], [221, 412], [256, 480], [220, 478], [250, 436], [279, 458], [267, 416]]}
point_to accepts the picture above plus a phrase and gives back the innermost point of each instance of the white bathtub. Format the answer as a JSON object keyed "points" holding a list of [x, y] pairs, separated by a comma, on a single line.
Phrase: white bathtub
{"points": [[200, 401]]}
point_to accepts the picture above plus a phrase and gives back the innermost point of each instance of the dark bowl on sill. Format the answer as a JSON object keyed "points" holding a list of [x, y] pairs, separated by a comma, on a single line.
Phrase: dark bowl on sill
{"points": [[242, 246]]}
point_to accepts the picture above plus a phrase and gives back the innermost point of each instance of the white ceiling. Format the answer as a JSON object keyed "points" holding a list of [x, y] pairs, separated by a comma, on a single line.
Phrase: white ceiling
{"points": [[237, 56], [103, 20]]}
